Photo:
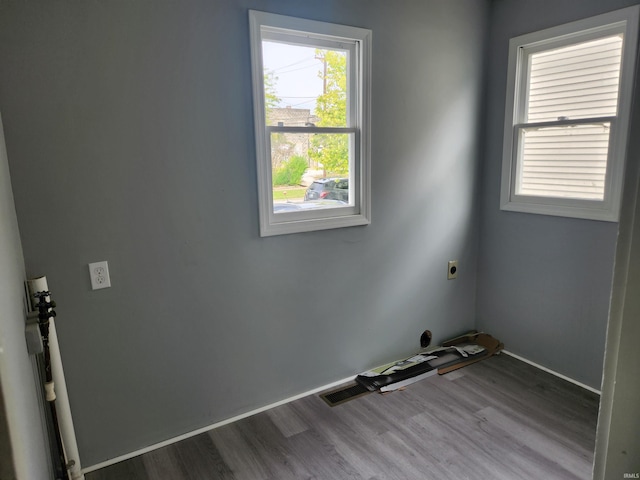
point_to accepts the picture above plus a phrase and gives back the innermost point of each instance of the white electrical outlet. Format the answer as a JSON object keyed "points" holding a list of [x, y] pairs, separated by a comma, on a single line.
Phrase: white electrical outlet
{"points": [[99, 273], [452, 273]]}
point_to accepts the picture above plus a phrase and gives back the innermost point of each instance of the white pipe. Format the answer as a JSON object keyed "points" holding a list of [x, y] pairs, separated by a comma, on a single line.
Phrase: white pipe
{"points": [[63, 407]]}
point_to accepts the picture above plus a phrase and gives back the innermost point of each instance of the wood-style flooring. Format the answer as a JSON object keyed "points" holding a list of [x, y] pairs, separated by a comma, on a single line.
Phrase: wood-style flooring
{"points": [[499, 419]]}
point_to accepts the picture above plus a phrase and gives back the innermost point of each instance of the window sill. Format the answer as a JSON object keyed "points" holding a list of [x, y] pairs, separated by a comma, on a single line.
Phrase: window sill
{"points": [[586, 210], [285, 227]]}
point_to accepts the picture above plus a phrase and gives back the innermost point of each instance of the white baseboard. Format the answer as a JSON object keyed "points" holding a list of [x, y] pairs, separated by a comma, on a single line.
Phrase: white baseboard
{"points": [[184, 436], [282, 402], [552, 372]]}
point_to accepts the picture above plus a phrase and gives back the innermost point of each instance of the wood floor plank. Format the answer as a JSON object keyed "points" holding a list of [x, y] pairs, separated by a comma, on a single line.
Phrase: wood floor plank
{"points": [[287, 420], [162, 463], [199, 459], [457, 446], [245, 461], [271, 448], [321, 457], [498, 419], [554, 452], [132, 469], [575, 410], [354, 439]]}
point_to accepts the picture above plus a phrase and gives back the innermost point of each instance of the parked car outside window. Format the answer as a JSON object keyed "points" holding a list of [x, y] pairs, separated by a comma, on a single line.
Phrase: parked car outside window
{"points": [[328, 189]]}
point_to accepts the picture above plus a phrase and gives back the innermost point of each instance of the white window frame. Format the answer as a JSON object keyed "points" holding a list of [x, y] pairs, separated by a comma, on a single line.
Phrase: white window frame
{"points": [[314, 33], [623, 21]]}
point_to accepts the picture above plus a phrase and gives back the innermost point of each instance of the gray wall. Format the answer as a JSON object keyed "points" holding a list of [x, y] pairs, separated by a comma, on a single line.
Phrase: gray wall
{"points": [[7, 470], [544, 282], [18, 393], [129, 131]]}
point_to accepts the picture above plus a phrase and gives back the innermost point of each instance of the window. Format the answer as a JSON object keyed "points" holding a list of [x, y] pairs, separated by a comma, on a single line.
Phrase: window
{"points": [[567, 115], [311, 87]]}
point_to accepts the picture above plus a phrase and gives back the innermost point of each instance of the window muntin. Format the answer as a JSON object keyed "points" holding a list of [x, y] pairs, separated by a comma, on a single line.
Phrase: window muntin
{"points": [[567, 117], [323, 135]]}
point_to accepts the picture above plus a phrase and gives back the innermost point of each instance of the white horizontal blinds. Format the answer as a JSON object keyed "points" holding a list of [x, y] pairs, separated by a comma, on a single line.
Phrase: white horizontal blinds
{"points": [[576, 81], [564, 162]]}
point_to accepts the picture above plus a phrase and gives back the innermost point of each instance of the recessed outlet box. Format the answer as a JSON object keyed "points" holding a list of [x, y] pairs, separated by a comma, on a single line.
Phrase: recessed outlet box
{"points": [[452, 272], [99, 273]]}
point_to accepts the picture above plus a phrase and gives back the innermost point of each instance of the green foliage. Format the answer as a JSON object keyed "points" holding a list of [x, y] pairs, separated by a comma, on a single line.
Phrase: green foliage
{"points": [[271, 99], [331, 106], [332, 150], [290, 172]]}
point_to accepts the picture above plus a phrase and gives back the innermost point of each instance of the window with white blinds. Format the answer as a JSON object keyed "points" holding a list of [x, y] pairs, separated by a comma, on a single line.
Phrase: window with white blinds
{"points": [[566, 120], [576, 81]]}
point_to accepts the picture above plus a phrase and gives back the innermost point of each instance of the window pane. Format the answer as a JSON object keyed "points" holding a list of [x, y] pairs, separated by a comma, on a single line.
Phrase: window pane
{"points": [[578, 81], [311, 170], [304, 85], [564, 162]]}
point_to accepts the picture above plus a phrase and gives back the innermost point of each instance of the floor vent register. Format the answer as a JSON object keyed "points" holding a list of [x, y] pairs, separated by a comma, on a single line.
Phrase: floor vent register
{"points": [[344, 394]]}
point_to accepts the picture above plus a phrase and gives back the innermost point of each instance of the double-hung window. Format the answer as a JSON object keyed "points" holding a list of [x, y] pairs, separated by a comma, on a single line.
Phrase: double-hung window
{"points": [[311, 91], [567, 116]]}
